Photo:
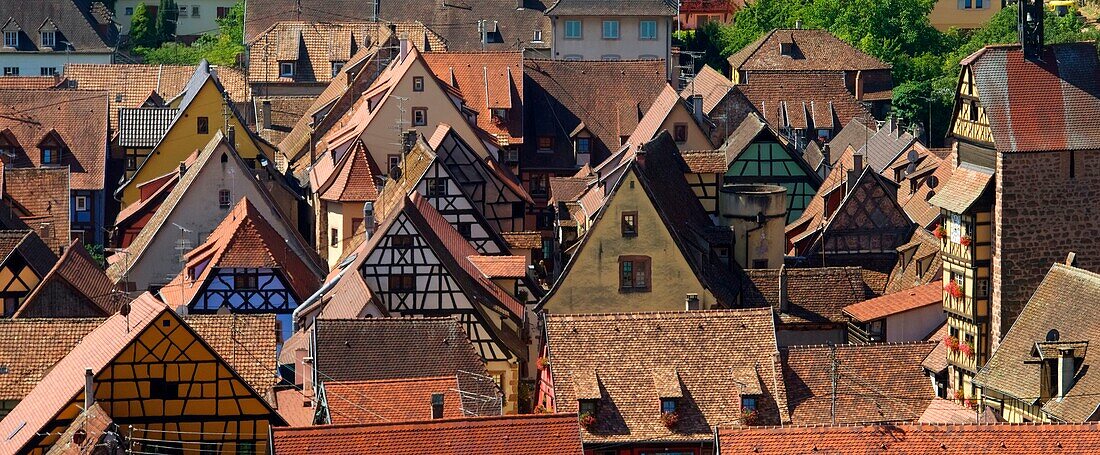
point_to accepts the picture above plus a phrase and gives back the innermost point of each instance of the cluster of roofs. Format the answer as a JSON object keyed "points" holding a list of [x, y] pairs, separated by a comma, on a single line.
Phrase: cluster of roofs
{"points": [[410, 229]]}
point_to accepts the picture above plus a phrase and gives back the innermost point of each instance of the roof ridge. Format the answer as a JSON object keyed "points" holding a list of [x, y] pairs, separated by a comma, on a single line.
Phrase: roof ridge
{"points": [[645, 314], [806, 347], [476, 419]]}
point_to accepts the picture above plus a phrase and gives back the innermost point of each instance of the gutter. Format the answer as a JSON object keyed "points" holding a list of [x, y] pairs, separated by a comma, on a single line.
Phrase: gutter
{"points": [[313, 299]]}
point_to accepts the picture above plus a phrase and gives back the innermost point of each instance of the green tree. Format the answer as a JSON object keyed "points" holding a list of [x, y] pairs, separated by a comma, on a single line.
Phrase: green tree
{"points": [[221, 48], [167, 15], [142, 31]]}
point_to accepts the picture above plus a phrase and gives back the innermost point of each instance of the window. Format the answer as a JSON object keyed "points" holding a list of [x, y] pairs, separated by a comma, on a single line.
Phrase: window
{"points": [[223, 199], [246, 281], [611, 29], [194, 10], [518, 209], [647, 30], [420, 116], [392, 161], [402, 283], [547, 248], [401, 241], [183, 11], [49, 39], [437, 187], [418, 83], [877, 329], [48, 71], [588, 406], [202, 125], [464, 229], [668, 405], [510, 156], [334, 237], [545, 220], [222, 12], [573, 29], [437, 405], [538, 185], [336, 67], [973, 111], [10, 305], [611, 57], [634, 274], [81, 203], [630, 224], [983, 288], [537, 38], [286, 69], [499, 113], [11, 39], [748, 404], [11, 70], [574, 57], [246, 448], [546, 142], [680, 132], [50, 155], [131, 163], [129, 11], [584, 145]]}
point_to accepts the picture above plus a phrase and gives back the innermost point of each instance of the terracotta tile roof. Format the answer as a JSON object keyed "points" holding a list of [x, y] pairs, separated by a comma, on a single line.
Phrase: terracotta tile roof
{"points": [[708, 356], [83, 279], [942, 411], [814, 295], [40, 199], [523, 240], [29, 82], [743, 135], [567, 189], [513, 24], [352, 178], [658, 112], [243, 239], [76, 119], [285, 112], [705, 161], [486, 80], [289, 402], [880, 382], [393, 348], [534, 434], [1052, 104], [803, 99], [919, 262], [559, 100], [96, 350], [30, 347], [967, 183], [936, 361], [96, 425], [77, 23], [1009, 439], [709, 83], [813, 50], [1056, 305], [895, 303], [500, 266], [612, 8], [855, 134], [391, 400], [130, 85], [931, 174]]}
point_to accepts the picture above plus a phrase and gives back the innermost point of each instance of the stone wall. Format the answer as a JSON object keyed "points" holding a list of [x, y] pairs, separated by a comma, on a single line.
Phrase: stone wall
{"points": [[1041, 215]]}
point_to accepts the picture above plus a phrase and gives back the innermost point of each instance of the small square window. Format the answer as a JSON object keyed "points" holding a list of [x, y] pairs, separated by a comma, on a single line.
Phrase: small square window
{"points": [[611, 29], [183, 11], [402, 283], [222, 11], [668, 405], [584, 145], [680, 132], [334, 237], [194, 10], [202, 125], [518, 209], [437, 187], [588, 407], [546, 142], [286, 69], [392, 161], [401, 241], [10, 305], [748, 404], [573, 29], [420, 116], [539, 184], [537, 36], [224, 199], [51, 155], [464, 229], [81, 203], [630, 224], [245, 281], [336, 67], [418, 83], [634, 273]]}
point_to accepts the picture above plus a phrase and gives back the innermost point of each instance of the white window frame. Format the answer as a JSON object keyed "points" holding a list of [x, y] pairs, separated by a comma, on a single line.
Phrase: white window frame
{"points": [[81, 203], [580, 29], [48, 71], [11, 39], [52, 41], [574, 57], [611, 57], [642, 29], [423, 113], [227, 201], [286, 69], [11, 70], [336, 67], [184, 9], [614, 27], [194, 10], [536, 36]]}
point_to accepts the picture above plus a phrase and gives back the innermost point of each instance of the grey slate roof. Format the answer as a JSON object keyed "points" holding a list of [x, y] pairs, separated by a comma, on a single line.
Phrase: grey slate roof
{"points": [[885, 145], [144, 126], [612, 8], [74, 20]]}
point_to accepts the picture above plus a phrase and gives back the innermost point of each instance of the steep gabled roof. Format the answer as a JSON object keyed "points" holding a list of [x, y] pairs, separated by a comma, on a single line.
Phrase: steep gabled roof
{"points": [[814, 295], [83, 278], [77, 23], [896, 303], [919, 262], [812, 50], [244, 239], [886, 145], [391, 400], [710, 84], [485, 81], [808, 99], [351, 179], [77, 119]]}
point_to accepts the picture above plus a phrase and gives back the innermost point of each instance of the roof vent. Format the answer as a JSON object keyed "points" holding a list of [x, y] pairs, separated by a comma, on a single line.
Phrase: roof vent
{"points": [[1053, 335]]}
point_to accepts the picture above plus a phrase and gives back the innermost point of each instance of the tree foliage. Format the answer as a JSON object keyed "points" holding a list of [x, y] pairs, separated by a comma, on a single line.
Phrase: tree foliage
{"points": [[167, 15], [143, 31], [925, 60], [220, 48]]}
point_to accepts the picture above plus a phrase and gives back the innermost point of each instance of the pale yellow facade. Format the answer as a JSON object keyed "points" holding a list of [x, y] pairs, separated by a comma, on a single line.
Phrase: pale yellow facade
{"points": [[1013, 410], [183, 138], [342, 217], [962, 14], [696, 139], [591, 281], [506, 373]]}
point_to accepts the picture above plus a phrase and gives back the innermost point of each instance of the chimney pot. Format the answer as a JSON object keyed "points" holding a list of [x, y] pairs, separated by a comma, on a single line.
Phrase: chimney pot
{"points": [[403, 44], [859, 85], [89, 389]]}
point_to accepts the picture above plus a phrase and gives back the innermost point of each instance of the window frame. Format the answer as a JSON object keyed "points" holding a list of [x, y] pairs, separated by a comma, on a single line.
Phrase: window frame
{"points": [[614, 23], [591, 407], [587, 141], [334, 237], [80, 203], [680, 132], [642, 29], [14, 42], [536, 36], [750, 403], [436, 187], [47, 71], [423, 112], [246, 281], [628, 223], [202, 125], [418, 83], [53, 38], [225, 198], [639, 266], [669, 405], [336, 67], [401, 282], [287, 69], [545, 143], [11, 70], [579, 29], [50, 155], [194, 10], [129, 11]]}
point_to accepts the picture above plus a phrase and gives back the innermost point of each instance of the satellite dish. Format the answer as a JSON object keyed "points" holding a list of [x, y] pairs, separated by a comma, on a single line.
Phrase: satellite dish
{"points": [[911, 168], [124, 309], [1053, 335], [395, 172], [933, 181], [913, 156]]}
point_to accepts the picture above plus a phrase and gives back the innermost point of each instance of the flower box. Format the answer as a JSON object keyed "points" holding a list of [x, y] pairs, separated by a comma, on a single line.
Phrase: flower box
{"points": [[959, 395], [543, 362], [670, 419], [953, 289], [939, 232], [749, 418], [587, 420], [951, 342], [966, 349], [965, 240]]}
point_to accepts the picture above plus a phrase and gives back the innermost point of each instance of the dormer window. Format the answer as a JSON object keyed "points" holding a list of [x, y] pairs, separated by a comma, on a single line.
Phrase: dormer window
{"points": [[336, 67], [49, 38], [748, 404], [786, 49], [668, 405], [437, 405], [286, 69], [589, 407], [500, 113], [11, 39]]}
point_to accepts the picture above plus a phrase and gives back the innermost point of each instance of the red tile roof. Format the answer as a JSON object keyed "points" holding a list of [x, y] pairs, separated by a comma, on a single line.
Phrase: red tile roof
{"points": [[500, 266], [291, 404], [40, 198], [943, 411], [533, 434], [524, 240], [801, 99], [705, 161], [77, 119], [391, 400], [814, 49], [966, 185], [244, 239], [352, 180], [82, 278], [710, 84], [898, 302], [1008, 439], [814, 295], [30, 82], [486, 80]]}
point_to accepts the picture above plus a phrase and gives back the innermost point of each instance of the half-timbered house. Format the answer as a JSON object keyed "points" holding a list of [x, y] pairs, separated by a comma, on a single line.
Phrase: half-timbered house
{"points": [[75, 287], [26, 259], [417, 265], [243, 267]]}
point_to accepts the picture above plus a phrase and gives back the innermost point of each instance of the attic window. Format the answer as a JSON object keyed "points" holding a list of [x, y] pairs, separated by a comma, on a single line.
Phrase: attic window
{"points": [[748, 404], [546, 142], [590, 407], [634, 274], [49, 38], [11, 39], [786, 49], [630, 224], [680, 132], [246, 281], [51, 154], [437, 405], [224, 199], [668, 405], [500, 113], [286, 69], [418, 83], [336, 67]]}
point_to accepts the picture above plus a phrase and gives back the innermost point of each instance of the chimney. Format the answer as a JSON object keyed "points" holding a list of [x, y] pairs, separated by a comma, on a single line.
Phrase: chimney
{"points": [[798, 24], [1071, 259], [859, 85], [437, 406], [784, 304], [1066, 369], [697, 107], [857, 169], [691, 303], [266, 107], [183, 170], [404, 49], [307, 376], [89, 389], [368, 219], [299, 357], [231, 135]]}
